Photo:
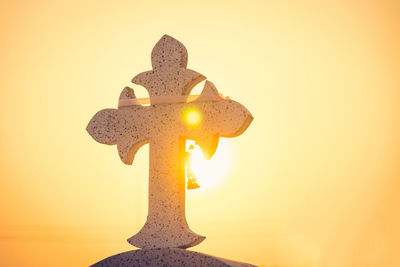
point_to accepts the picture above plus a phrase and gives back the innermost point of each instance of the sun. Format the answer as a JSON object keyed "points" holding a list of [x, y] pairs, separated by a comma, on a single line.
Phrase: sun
{"points": [[210, 173], [192, 116]]}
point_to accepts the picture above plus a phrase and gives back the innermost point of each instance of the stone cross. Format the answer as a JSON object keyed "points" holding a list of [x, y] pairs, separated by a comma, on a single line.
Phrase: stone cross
{"points": [[165, 125]]}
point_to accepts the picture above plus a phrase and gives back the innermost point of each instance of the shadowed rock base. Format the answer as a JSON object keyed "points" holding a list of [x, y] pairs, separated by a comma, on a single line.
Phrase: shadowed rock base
{"points": [[166, 257]]}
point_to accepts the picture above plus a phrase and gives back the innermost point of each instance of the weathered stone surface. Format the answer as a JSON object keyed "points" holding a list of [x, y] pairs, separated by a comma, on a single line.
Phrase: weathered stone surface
{"points": [[165, 127], [169, 76], [166, 257]]}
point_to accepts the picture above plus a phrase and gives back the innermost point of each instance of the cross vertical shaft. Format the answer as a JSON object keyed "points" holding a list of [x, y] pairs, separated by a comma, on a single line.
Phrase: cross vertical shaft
{"points": [[166, 224]]}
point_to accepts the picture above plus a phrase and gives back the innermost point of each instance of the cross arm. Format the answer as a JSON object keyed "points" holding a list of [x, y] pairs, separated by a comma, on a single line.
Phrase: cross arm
{"points": [[220, 118], [125, 127], [134, 129], [103, 126]]}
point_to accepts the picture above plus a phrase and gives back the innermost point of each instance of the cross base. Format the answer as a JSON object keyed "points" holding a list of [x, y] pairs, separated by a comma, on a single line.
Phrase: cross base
{"points": [[166, 257]]}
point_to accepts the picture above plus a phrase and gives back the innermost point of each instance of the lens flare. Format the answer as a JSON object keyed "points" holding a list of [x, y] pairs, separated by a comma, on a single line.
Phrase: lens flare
{"points": [[211, 173], [192, 116]]}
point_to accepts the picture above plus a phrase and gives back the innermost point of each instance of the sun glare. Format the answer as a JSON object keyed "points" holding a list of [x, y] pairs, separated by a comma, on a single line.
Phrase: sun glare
{"points": [[210, 173], [192, 116]]}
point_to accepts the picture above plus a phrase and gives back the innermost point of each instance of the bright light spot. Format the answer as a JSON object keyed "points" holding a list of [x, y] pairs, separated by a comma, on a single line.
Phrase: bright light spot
{"points": [[192, 116], [210, 173]]}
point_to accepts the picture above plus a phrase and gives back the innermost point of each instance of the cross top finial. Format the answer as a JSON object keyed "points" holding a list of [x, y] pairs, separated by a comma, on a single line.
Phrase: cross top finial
{"points": [[169, 53], [169, 76]]}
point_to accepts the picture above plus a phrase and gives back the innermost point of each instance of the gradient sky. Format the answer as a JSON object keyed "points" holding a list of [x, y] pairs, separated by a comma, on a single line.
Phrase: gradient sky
{"points": [[314, 181]]}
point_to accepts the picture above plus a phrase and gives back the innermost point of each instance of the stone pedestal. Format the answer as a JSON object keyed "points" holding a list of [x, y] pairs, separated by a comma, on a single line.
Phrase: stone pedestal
{"points": [[166, 257]]}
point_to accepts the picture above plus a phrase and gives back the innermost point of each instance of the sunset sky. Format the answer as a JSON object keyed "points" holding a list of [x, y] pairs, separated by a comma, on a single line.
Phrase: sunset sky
{"points": [[313, 182]]}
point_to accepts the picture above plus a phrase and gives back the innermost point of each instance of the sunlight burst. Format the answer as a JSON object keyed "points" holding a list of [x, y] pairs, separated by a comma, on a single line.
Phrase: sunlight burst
{"points": [[210, 173], [192, 116]]}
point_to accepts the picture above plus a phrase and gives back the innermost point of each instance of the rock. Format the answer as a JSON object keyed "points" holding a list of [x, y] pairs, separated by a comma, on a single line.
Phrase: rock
{"points": [[166, 257]]}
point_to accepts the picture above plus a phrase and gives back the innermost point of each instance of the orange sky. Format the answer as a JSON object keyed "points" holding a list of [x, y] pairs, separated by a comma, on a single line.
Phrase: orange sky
{"points": [[314, 181]]}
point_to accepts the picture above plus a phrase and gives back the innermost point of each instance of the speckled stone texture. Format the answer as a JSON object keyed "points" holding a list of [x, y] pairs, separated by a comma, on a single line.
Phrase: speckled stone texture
{"points": [[163, 126], [166, 257]]}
